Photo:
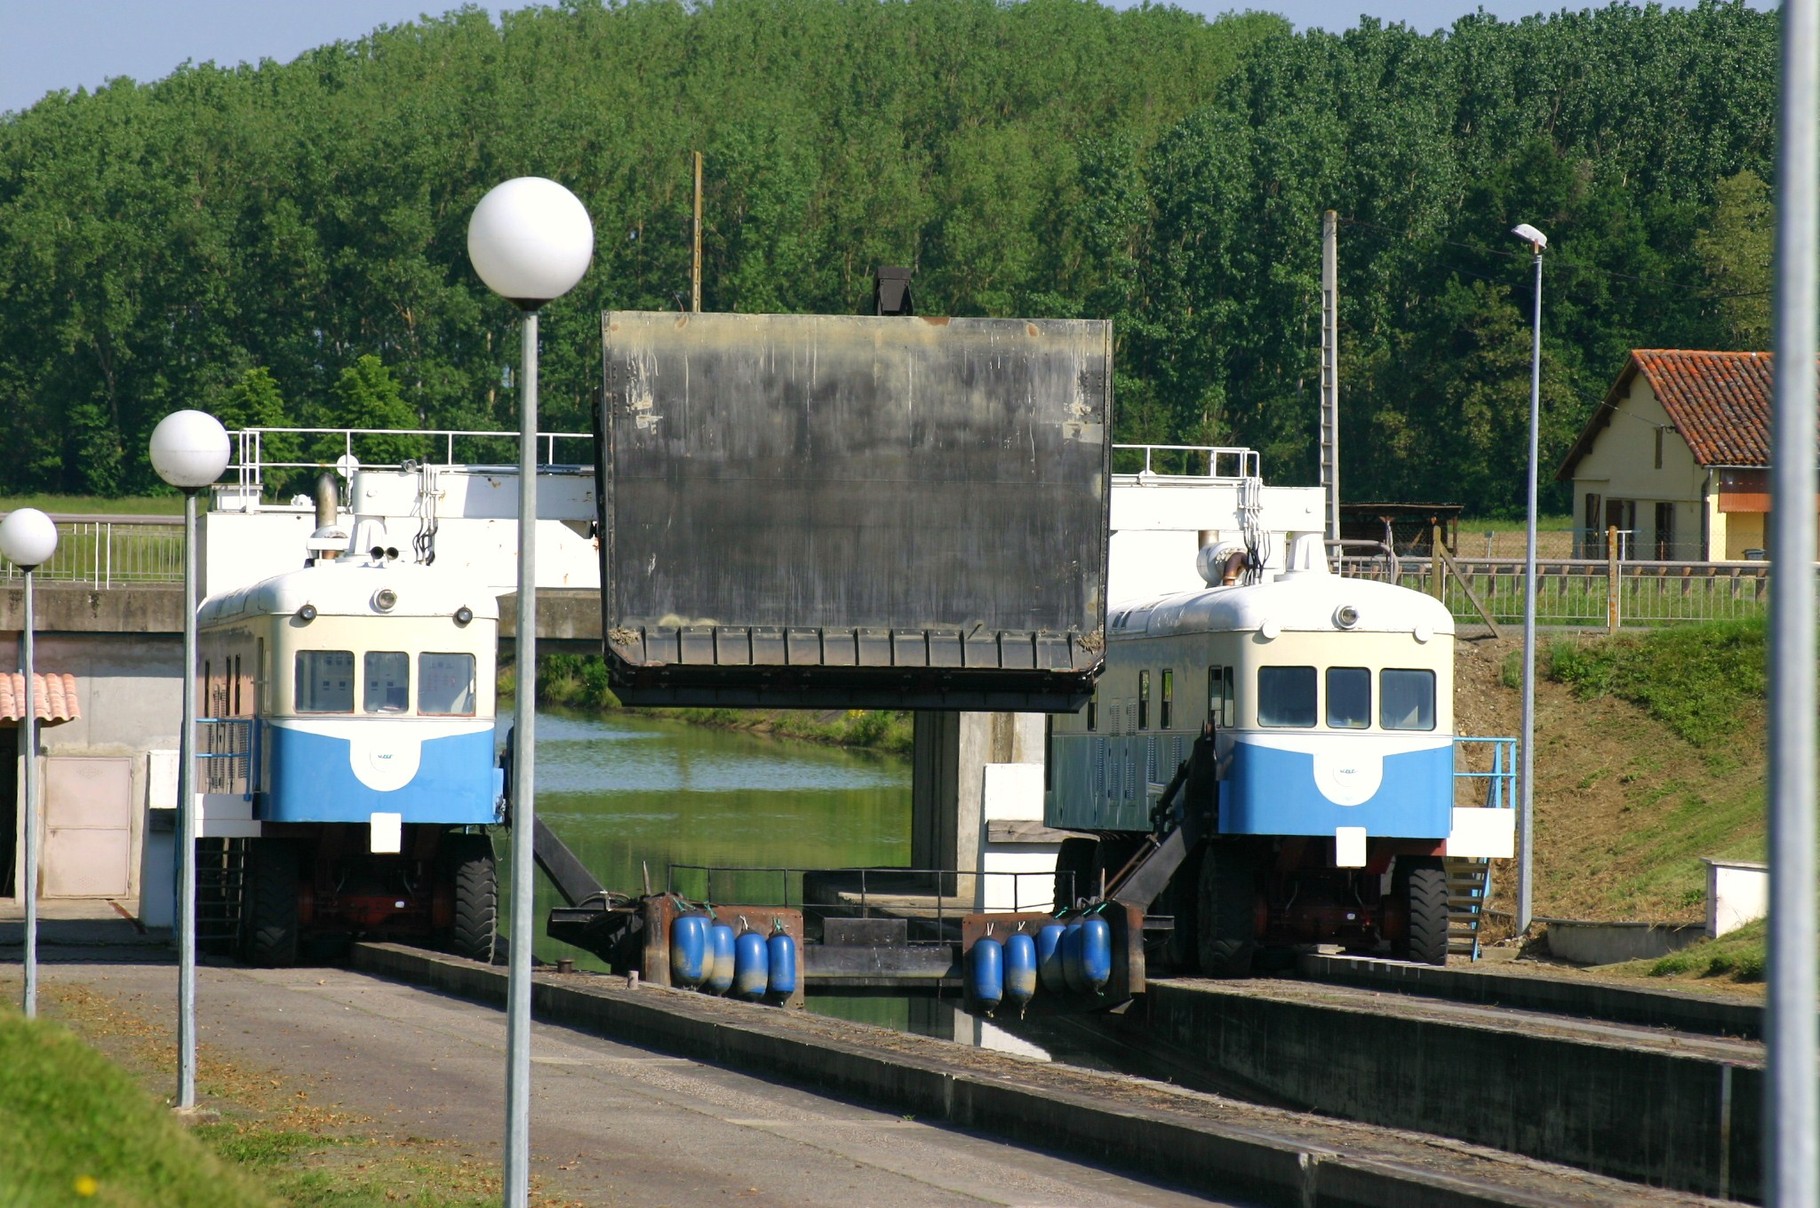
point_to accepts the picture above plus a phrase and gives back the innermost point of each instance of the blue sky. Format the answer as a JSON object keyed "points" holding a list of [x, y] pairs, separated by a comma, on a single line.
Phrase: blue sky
{"points": [[81, 43]]}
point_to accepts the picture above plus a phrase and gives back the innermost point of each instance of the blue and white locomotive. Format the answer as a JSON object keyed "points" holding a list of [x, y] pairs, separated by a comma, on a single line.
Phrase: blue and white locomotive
{"points": [[357, 695], [1311, 719]]}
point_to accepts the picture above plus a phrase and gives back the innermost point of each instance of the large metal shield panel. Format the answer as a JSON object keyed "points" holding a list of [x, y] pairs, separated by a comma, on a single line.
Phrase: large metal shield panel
{"points": [[848, 511]]}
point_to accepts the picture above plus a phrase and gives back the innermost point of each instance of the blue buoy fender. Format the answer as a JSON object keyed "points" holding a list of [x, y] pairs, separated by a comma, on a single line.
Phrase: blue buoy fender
{"points": [[751, 961], [986, 973], [1096, 953], [1049, 958], [1020, 969], [720, 959], [781, 951], [1071, 957], [688, 950]]}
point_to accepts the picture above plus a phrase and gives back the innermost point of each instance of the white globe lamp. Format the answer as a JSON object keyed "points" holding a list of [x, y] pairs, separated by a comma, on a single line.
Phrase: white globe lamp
{"points": [[530, 240], [190, 449], [28, 538]]}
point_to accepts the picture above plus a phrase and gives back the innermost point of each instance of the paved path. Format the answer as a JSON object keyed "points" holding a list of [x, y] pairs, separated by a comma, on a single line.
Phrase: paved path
{"points": [[612, 1124]]}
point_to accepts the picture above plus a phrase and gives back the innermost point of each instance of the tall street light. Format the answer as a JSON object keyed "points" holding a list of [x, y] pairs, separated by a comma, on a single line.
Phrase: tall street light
{"points": [[1538, 242], [27, 540], [530, 240], [189, 450]]}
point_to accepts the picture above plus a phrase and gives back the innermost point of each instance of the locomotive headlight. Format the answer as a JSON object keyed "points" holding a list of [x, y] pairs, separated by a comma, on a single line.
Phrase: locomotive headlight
{"points": [[1345, 616], [1269, 630], [307, 613], [463, 615], [385, 599], [1422, 633]]}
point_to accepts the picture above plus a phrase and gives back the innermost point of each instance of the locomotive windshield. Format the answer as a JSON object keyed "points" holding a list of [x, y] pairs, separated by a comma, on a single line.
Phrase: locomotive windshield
{"points": [[445, 684], [325, 681], [1287, 698], [1408, 699]]}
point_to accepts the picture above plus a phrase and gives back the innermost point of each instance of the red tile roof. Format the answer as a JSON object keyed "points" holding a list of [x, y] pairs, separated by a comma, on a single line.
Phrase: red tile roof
{"points": [[1718, 401], [53, 697]]}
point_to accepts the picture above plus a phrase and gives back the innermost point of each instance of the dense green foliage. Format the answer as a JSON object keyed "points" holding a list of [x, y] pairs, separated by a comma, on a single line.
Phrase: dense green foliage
{"points": [[78, 1128], [1706, 682], [241, 239]]}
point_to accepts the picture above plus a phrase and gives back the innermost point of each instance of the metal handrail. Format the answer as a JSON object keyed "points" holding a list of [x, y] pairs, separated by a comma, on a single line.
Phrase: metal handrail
{"points": [[1500, 779], [250, 462], [1245, 463]]}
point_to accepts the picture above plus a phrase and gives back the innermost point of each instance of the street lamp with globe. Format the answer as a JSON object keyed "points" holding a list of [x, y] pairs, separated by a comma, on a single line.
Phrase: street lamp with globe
{"points": [[189, 450], [28, 538], [530, 240]]}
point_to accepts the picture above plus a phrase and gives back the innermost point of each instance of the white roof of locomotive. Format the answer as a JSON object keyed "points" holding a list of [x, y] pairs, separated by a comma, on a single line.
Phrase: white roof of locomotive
{"points": [[347, 587], [1303, 600]]}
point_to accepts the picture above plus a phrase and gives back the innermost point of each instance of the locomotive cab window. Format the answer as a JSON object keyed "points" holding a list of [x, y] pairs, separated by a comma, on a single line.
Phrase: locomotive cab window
{"points": [[1406, 699], [445, 684], [387, 675], [1286, 696], [1349, 698], [1168, 698], [325, 681], [1143, 700]]}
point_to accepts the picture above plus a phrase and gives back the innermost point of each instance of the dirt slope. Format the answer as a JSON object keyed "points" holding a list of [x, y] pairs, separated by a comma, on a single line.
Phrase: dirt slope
{"points": [[1624, 809]]}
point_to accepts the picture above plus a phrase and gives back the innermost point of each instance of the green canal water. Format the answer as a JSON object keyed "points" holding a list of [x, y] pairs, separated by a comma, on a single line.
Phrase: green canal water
{"points": [[631, 794]]}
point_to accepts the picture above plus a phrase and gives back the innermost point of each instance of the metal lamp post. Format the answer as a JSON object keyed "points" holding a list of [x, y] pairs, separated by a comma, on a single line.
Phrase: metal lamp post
{"points": [[189, 450], [1538, 242], [27, 540], [530, 240]]}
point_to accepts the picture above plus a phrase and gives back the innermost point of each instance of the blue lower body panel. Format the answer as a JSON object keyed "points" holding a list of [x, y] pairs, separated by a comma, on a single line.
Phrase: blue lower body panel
{"points": [[1275, 790], [425, 777]]}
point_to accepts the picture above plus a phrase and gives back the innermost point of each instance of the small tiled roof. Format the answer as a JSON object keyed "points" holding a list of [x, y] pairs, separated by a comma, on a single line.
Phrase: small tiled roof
{"points": [[1718, 401], [53, 697]]}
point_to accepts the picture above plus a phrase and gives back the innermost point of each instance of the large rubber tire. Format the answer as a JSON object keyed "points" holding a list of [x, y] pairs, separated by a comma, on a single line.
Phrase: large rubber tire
{"points": [[270, 927], [468, 862], [1425, 897], [1228, 908], [1074, 871]]}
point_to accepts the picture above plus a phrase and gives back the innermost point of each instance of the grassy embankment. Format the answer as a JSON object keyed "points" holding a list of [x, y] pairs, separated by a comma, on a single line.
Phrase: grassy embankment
{"points": [[84, 1122], [1659, 760]]}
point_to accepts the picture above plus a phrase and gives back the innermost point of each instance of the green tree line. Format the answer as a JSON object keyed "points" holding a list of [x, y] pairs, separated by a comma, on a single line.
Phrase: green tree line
{"points": [[286, 243]]}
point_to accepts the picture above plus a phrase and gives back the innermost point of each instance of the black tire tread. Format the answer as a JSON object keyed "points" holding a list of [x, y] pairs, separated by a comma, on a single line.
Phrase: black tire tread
{"points": [[271, 903], [1227, 939], [471, 865], [1428, 916]]}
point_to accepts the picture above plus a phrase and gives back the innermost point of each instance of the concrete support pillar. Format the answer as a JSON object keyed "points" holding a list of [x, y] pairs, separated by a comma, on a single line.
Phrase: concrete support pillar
{"points": [[948, 777]]}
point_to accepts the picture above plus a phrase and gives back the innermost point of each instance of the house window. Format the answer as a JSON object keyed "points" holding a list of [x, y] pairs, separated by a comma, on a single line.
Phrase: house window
{"points": [[1659, 432]]}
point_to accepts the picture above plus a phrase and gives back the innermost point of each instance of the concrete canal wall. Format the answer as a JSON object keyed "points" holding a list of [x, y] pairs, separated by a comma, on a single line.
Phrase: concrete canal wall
{"points": [[1638, 1111]]}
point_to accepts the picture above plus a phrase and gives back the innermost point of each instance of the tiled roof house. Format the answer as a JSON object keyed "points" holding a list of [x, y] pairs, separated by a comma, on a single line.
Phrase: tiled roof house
{"points": [[1676, 457]]}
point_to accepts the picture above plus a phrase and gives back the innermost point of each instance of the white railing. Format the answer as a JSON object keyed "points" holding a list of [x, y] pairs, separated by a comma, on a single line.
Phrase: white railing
{"points": [[475, 447], [112, 551], [1198, 463]]}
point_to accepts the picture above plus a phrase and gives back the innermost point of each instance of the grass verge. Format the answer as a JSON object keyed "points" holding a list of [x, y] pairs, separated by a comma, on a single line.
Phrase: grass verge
{"points": [[269, 1143], [78, 1128]]}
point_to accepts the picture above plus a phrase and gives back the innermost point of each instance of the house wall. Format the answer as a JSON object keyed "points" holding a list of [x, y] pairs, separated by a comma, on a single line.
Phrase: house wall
{"points": [[1622, 468], [94, 780]]}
